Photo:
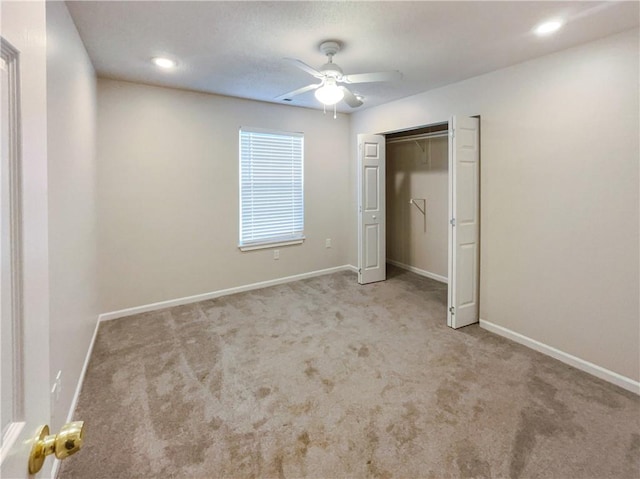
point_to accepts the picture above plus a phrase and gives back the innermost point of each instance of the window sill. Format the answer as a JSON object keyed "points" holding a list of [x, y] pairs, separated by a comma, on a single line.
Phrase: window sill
{"points": [[271, 244]]}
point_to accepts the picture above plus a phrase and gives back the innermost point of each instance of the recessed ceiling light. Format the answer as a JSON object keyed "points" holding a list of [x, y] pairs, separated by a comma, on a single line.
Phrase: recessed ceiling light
{"points": [[548, 28], [162, 62]]}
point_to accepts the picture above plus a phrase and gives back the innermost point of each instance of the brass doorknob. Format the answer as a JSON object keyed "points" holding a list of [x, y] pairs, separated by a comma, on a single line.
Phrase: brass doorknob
{"points": [[67, 442]]}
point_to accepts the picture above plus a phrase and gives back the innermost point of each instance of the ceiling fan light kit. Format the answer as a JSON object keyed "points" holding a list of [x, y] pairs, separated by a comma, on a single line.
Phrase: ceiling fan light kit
{"points": [[328, 91]]}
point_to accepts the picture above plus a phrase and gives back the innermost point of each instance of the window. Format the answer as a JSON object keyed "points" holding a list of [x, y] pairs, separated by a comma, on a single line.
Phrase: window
{"points": [[271, 188]]}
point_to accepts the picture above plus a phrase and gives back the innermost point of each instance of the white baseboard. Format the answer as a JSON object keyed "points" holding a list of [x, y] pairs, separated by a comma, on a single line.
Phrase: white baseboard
{"points": [[55, 468], [598, 371], [421, 272], [74, 401], [223, 292], [83, 372]]}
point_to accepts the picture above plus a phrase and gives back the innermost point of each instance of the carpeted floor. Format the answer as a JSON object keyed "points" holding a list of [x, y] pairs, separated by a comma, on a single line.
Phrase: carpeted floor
{"points": [[324, 378]]}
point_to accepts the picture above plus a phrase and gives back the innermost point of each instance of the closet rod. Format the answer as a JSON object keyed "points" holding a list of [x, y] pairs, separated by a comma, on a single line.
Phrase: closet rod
{"points": [[424, 136]]}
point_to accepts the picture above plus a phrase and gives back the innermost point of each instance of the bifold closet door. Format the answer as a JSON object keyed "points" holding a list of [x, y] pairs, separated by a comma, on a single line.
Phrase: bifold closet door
{"points": [[371, 209], [464, 221]]}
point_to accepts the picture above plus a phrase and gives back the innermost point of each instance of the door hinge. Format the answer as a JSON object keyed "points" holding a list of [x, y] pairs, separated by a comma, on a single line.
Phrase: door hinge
{"points": [[452, 310], [452, 133], [359, 270], [360, 209], [452, 222]]}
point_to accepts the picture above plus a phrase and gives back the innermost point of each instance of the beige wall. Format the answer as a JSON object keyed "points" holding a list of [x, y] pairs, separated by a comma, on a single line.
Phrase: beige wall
{"points": [[559, 194], [71, 112], [418, 170], [168, 193]]}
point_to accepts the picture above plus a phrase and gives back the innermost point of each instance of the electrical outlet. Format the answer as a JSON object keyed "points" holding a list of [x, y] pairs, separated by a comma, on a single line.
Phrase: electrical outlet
{"points": [[327, 243], [276, 254]]}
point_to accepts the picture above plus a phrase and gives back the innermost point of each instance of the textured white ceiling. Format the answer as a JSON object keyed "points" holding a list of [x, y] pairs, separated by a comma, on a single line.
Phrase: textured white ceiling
{"points": [[237, 48]]}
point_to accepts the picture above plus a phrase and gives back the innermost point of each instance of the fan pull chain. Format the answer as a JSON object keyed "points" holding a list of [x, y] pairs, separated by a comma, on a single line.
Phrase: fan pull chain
{"points": [[324, 108], [334, 111]]}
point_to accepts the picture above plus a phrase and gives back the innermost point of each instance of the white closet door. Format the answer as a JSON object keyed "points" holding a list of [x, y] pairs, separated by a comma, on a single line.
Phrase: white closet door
{"points": [[464, 215], [371, 209]]}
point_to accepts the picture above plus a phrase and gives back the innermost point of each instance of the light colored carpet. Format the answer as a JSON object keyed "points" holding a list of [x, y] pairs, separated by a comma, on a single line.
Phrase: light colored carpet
{"points": [[324, 378]]}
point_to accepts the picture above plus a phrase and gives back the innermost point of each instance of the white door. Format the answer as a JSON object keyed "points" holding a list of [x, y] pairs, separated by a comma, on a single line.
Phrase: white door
{"points": [[371, 209], [24, 332], [464, 225]]}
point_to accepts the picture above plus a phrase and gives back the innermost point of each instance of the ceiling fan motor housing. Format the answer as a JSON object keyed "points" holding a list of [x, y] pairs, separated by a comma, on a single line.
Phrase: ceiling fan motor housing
{"points": [[331, 70], [330, 48]]}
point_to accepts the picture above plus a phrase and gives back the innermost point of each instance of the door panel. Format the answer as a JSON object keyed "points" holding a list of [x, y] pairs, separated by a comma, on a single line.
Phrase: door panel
{"points": [[466, 285], [372, 247], [464, 229], [371, 190], [371, 209], [466, 189], [23, 27]]}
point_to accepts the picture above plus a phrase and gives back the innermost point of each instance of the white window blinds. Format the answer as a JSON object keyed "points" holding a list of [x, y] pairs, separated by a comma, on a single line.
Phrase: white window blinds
{"points": [[271, 187]]}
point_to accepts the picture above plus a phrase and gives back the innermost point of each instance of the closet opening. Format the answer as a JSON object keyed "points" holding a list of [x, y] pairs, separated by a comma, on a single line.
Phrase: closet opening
{"points": [[419, 209], [417, 199]]}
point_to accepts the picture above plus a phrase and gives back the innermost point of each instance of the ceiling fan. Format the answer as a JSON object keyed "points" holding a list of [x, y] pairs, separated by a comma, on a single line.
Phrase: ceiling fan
{"points": [[328, 91]]}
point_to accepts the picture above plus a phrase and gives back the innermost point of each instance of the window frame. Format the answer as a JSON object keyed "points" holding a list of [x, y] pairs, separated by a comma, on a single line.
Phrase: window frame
{"points": [[273, 241]]}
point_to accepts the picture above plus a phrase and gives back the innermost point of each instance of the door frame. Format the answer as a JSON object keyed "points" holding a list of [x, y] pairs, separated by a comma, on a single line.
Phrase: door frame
{"points": [[449, 123]]}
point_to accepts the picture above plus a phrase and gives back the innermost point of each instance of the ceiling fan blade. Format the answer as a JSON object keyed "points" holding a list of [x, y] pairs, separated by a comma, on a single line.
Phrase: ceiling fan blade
{"points": [[372, 77], [350, 99], [305, 67], [293, 93]]}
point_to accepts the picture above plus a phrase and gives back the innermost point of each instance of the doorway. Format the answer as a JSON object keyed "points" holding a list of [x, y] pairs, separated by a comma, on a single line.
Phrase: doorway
{"points": [[419, 208], [417, 182]]}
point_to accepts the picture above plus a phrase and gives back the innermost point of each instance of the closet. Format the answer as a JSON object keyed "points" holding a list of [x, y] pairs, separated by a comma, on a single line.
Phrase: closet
{"points": [[419, 208], [417, 200]]}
